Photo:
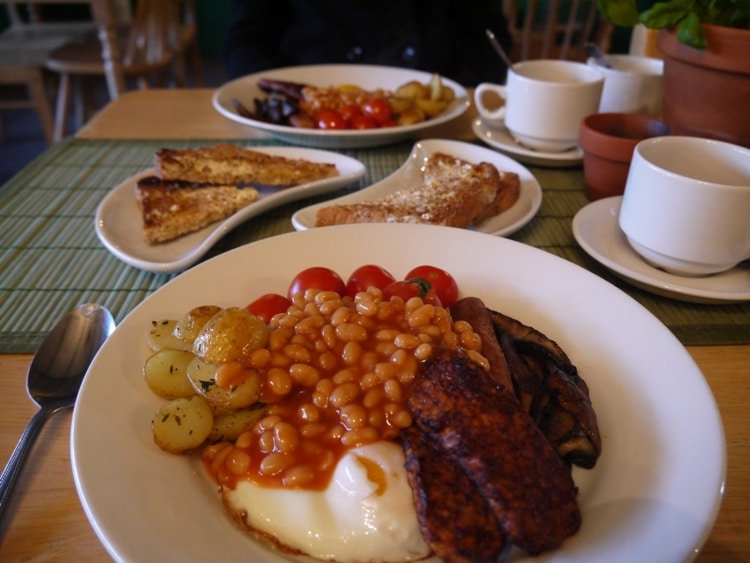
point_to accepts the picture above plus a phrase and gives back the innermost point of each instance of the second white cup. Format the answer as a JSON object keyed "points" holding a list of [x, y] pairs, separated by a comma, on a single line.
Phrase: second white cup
{"points": [[545, 101], [686, 207], [633, 84]]}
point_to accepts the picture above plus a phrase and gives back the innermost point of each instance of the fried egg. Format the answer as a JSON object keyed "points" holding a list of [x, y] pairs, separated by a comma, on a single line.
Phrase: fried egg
{"points": [[366, 513]]}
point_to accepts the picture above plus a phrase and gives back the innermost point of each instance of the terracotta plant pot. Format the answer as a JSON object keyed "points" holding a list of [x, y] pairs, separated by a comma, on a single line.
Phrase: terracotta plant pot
{"points": [[608, 141], [707, 93]]}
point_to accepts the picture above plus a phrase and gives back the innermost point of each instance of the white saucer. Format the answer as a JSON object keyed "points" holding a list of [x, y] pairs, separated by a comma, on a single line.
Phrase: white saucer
{"points": [[500, 138], [596, 229]]}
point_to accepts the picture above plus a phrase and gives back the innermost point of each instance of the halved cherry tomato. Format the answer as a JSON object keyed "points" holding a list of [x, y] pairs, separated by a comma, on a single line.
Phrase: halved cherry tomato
{"points": [[367, 276], [350, 111], [317, 277], [378, 109], [361, 122], [415, 287], [329, 119], [268, 305], [442, 282]]}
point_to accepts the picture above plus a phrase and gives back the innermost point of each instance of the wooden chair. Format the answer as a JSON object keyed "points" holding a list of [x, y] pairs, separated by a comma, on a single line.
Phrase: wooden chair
{"points": [[153, 48], [24, 47], [555, 29]]}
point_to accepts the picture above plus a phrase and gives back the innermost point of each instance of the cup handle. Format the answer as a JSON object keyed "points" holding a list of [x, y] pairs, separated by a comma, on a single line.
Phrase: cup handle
{"points": [[492, 116]]}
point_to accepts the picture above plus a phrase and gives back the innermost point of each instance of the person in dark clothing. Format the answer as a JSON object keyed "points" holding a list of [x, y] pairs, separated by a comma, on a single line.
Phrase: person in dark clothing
{"points": [[442, 36]]}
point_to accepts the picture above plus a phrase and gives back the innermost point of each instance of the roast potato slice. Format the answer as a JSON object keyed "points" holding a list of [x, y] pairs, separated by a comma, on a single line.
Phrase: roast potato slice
{"points": [[431, 108], [161, 336], [165, 373], [188, 327], [183, 424], [202, 376], [230, 335], [412, 89], [229, 426]]}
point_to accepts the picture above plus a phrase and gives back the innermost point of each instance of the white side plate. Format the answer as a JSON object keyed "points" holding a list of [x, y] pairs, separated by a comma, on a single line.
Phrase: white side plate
{"points": [[507, 222], [119, 222]]}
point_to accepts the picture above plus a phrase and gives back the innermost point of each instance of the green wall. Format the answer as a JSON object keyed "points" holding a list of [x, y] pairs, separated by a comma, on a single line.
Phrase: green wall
{"points": [[212, 18]]}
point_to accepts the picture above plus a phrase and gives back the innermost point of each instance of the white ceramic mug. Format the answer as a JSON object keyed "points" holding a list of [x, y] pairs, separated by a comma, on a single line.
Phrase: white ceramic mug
{"points": [[545, 101], [686, 206], [633, 84]]}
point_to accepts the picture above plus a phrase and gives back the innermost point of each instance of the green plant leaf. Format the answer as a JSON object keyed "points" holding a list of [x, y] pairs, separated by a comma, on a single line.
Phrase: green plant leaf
{"points": [[620, 12], [664, 15], [690, 32]]}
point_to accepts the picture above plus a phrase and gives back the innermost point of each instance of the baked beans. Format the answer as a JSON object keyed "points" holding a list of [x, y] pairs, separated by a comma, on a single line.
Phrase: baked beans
{"points": [[336, 375]]}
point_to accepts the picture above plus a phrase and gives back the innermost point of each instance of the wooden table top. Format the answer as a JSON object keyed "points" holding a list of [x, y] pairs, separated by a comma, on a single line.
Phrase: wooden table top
{"points": [[45, 521]]}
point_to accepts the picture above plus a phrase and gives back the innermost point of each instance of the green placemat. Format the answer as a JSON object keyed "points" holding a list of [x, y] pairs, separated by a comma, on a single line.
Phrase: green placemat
{"points": [[51, 259]]}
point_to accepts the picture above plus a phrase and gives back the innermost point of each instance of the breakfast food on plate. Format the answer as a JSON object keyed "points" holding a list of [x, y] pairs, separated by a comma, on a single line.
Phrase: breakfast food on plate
{"points": [[174, 208], [348, 106], [393, 430], [193, 188], [479, 429], [232, 165], [452, 192]]}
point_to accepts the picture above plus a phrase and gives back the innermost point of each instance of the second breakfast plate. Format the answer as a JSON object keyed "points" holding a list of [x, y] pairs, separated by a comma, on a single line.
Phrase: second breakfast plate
{"points": [[653, 495], [118, 219], [506, 223], [596, 229], [369, 77]]}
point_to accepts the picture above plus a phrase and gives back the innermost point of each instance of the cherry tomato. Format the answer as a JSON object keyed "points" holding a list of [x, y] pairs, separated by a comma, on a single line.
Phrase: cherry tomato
{"points": [[349, 112], [378, 109], [367, 276], [362, 122], [317, 277], [329, 119], [441, 281], [268, 305], [416, 287]]}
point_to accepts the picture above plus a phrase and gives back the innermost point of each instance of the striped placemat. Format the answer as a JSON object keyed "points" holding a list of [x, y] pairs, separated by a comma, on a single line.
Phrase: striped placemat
{"points": [[51, 259]]}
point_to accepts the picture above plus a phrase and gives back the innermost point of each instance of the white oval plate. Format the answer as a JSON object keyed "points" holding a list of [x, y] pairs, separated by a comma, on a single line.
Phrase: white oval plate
{"points": [[118, 220], [596, 229], [501, 139], [370, 77], [507, 222], [653, 495]]}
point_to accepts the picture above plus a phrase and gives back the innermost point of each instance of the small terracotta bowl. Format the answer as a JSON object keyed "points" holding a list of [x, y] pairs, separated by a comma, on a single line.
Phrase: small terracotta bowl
{"points": [[608, 141]]}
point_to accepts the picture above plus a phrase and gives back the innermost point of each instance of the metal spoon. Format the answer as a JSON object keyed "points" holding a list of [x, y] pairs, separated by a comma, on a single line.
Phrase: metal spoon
{"points": [[594, 51], [498, 48], [54, 377]]}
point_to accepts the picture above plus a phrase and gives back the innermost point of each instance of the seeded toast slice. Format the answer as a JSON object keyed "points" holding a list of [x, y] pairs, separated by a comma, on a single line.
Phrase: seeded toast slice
{"points": [[453, 192], [171, 209], [230, 165]]}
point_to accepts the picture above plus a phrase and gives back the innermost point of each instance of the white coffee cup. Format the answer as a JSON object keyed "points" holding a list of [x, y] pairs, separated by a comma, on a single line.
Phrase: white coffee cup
{"points": [[686, 206], [545, 101], [633, 85]]}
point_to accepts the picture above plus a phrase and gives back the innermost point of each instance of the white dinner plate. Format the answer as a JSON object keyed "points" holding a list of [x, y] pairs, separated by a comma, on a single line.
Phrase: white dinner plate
{"points": [[118, 220], [596, 229], [507, 222], [501, 139], [653, 495], [369, 77]]}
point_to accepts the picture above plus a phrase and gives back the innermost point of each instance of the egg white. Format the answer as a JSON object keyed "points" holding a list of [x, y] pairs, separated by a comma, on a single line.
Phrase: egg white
{"points": [[365, 514]]}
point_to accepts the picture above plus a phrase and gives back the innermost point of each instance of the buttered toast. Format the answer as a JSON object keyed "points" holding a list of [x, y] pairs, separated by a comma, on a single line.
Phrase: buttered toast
{"points": [[171, 209], [231, 165], [453, 192], [192, 188]]}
